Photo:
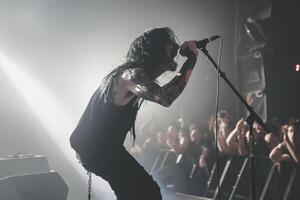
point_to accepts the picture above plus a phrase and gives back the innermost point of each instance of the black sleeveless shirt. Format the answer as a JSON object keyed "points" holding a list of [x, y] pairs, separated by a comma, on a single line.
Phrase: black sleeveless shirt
{"points": [[103, 126]]}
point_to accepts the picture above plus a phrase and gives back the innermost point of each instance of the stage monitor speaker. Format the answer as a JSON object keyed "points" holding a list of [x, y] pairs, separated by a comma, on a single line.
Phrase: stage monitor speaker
{"points": [[171, 178], [253, 84], [40, 186], [181, 196], [23, 164]]}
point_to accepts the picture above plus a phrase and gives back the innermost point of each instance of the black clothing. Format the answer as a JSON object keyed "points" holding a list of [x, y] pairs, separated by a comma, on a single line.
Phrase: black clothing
{"points": [[126, 177], [260, 147], [102, 126], [98, 139]]}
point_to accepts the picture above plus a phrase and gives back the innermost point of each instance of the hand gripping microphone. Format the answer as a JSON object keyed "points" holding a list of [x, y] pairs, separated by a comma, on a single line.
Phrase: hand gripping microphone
{"points": [[202, 43]]}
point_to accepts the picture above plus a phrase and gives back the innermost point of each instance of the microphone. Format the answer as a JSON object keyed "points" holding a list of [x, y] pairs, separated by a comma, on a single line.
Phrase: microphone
{"points": [[202, 43]]}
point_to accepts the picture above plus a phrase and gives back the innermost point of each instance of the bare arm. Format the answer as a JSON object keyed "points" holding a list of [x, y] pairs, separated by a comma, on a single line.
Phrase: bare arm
{"points": [[179, 148], [222, 145], [292, 150], [232, 141], [272, 140], [242, 145], [236, 139], [277, 154], [203, 158]]}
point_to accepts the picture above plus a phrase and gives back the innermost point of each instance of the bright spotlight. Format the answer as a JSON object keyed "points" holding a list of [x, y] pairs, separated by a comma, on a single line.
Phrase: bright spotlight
{"points": [[45, 105], [48, 109]]}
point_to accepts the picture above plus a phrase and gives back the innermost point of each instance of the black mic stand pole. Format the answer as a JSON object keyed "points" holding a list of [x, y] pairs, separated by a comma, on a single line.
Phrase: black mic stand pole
{"points": [[252, 117]]}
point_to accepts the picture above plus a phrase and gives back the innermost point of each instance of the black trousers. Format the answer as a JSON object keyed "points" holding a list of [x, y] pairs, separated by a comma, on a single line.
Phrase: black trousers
{"points": [[126, 176]]}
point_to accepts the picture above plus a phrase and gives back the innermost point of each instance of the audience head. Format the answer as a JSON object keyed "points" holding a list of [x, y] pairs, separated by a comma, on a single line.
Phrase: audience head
{"points": [[193, 126], [172, 132], [161, 137], [224, 117], [293, 131], [195, 136], [258, 131]]}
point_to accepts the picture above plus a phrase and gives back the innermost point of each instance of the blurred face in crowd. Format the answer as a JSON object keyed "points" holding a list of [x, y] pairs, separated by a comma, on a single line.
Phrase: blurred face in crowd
{"points": [[290, 132], [193, 126], [282, 130], [172, 133], [293, 134], [226, 119], [161, 137], [195, 136], [223, 119], [293, 131], [258, 131]]}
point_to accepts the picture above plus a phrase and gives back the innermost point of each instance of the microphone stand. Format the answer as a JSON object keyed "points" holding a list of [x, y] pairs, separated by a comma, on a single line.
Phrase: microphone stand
{"points": [[251, 118]]}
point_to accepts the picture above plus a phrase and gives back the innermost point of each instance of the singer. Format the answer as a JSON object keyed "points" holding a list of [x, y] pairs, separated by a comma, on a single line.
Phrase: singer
{"points": [[111, 112]]}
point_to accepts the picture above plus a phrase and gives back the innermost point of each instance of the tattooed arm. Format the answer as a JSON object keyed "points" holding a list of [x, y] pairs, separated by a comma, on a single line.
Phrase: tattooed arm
{"points": [[140, 84]]}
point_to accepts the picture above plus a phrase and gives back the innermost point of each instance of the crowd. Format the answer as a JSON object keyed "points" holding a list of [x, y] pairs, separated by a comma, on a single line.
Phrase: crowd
{"points": [[194, 143]]}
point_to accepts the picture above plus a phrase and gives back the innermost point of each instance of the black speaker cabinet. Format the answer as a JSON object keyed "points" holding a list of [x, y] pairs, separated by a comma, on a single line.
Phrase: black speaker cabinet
{"points": [[171, 178], [20, 164], [39, 186], [181, 196], [253, 83]]}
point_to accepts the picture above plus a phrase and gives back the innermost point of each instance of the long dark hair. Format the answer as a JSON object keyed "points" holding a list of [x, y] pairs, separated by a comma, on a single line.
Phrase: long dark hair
{"points": [[147, 52], [149, 48]]}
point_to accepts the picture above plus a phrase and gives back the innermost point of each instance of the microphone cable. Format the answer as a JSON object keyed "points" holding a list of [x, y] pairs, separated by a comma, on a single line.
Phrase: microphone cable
{"points": [[216, 119]]}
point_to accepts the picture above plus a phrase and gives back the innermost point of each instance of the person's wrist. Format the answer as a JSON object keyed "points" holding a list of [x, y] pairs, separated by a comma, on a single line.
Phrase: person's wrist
{"points": [[238, 129], [192, 57], [283, 144]]}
